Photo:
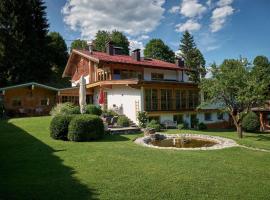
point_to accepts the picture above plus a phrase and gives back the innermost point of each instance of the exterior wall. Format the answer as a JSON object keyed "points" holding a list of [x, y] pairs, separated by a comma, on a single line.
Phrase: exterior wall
{"points": [[214, 123], [82, 68], [30, 100], [77, 82], [122, 96], [168, 74]]}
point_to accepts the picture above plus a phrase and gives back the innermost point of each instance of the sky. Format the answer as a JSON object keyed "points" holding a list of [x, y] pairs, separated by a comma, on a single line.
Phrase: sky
{"points": [[221, 28]]}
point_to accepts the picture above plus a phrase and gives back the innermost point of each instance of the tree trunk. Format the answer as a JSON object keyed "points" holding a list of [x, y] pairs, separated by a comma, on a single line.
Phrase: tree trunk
{"points": [[238, 126], [239, 130]]}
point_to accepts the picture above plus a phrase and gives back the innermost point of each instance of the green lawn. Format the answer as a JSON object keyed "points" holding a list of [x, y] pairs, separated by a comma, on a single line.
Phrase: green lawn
{"points": [[34, 166]]}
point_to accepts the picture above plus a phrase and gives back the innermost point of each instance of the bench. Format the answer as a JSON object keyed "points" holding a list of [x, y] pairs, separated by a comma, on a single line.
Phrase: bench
{"points": [[169, 124]]}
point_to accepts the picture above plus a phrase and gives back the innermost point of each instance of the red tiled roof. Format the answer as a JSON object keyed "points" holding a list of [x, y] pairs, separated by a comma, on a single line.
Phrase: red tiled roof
{"points": [[153, 63]]}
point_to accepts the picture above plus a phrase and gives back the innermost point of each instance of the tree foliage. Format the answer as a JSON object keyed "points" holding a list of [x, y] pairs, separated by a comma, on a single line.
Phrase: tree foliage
{"points": [[79, 44], [58, 56], [157, 49], [23, 42], [236, 87], [116, 37], [192, 56]]}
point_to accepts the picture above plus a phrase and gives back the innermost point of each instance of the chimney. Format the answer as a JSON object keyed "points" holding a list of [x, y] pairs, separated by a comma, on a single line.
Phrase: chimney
{"points": [[136, 54], [179, 62], [109, 48], [90, 47]]}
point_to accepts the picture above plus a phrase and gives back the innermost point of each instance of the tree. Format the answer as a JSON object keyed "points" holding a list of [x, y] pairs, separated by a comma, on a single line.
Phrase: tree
{"points": [[262, 67], [23, 42], [237, 88], [157, 49], [116, 37], [192, 56], [79, 44], [58, 56], [101, 39]]}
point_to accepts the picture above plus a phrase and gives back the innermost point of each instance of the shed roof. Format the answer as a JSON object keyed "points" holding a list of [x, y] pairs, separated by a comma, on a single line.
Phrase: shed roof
{"points": [[29, 84]]}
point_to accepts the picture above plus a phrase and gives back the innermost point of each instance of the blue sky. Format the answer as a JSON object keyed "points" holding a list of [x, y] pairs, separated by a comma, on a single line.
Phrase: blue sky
{"points": [[221, 28]]}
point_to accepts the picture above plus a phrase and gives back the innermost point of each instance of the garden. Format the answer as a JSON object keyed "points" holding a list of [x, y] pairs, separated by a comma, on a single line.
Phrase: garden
{"points": [[35, 166]]}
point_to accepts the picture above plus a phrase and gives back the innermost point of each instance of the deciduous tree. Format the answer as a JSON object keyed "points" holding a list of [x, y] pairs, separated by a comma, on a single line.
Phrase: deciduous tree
{"points": [[235, 87], [157, 49]]}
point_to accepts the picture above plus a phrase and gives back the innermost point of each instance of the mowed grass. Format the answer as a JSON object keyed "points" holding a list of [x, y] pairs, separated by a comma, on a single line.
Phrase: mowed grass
{"points": [[34, 166]]}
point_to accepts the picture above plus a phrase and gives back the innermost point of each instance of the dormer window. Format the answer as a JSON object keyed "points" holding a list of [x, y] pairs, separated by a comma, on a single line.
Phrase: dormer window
{"points": [[157, 76]]}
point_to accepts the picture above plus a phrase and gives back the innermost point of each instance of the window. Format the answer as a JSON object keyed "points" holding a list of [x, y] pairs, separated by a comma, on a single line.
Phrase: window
{"points": [[151, 99], [71, 99], [178, 119], [166, 99], [116, 74], [44, 102], [16, 102], [178, 99], [193, 100], [157, 118], [207, 116], [220, 116], [157, 76], [184, 99]]}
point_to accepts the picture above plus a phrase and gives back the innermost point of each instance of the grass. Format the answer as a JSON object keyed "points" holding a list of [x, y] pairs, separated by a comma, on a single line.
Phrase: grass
{"points": [[34, 166]]}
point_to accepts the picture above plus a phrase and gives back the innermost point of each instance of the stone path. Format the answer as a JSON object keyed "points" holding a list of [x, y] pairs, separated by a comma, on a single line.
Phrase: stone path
{"points": [[254, 149]]}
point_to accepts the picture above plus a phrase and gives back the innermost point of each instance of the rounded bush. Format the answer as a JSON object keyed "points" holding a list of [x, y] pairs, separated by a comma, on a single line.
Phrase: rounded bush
{"points": [[154, 124], [93, 110], [251, 122], [59, 126], [202, 126], [85, 128], [123, 121], [180, 126]]}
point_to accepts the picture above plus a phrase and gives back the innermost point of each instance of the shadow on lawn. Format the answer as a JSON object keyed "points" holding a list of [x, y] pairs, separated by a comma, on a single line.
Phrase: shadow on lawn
{"points": [[29, 170], [113, 138]]}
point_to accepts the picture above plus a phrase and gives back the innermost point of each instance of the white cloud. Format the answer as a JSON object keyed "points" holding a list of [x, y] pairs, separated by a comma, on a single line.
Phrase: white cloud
{"points": [[191, 8], [222, 3], [175, 9], [189, 25], [143, 37], [135, 44], [131, 17], [219, 16], [209, 2]]}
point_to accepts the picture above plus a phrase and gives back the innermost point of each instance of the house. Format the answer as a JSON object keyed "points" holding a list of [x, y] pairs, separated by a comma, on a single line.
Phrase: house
{"points": [[34, 99], [132, 83], [264, 114], [28, 99]]}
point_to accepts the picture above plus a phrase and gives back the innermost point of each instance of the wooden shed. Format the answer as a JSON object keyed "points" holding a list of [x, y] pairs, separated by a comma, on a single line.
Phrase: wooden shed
{"points": [[29, 99]]}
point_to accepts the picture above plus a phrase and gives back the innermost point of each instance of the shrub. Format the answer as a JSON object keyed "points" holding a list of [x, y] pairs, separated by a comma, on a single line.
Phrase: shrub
{"points": [[142, 118], [202, 126], [154, 124], [59, 126], [109, 113], [85, 128], [251, 122], [65, 109], [180, 126], [93, 110], [123, 121]]}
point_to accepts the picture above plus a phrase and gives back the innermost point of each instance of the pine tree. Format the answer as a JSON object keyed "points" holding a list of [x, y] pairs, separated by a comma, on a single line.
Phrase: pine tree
{"points": [[192, 56], [23, 42]]}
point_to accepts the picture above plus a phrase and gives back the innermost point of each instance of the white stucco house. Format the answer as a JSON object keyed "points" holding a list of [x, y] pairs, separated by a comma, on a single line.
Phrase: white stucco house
{"points": [[132, 83]]}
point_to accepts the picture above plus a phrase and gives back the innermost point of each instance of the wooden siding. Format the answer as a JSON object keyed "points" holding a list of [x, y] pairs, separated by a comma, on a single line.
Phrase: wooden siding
{"points": [[30, 98]]}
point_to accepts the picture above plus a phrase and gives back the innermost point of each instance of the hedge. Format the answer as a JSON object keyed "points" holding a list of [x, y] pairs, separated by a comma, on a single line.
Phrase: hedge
{"points": [[251, 122], [154, 124], [93, 110], [123, 121], [85, 128], [59, 126]]}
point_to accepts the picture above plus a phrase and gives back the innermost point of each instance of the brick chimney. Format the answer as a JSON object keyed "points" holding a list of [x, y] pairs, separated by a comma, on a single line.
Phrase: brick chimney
{"points": [[136, 54], [179, 62]]}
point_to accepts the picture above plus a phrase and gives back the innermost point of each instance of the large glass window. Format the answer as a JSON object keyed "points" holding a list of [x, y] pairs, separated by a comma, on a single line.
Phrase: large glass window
{"points": [[208, 116], [177, 99], [183, 99], [166, 99], [151, 99], [220, 116], [178, 119]]}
